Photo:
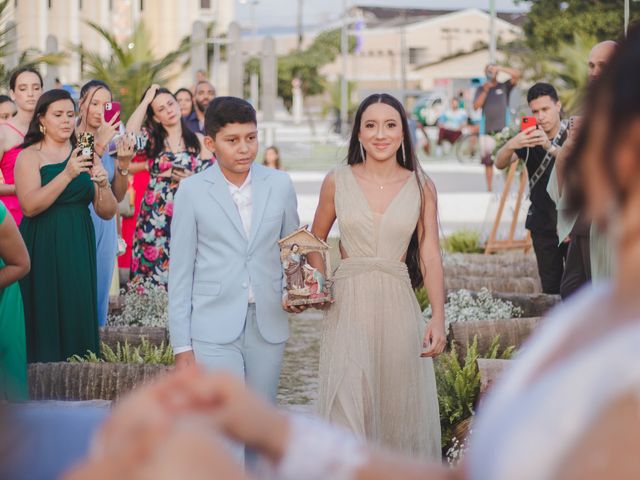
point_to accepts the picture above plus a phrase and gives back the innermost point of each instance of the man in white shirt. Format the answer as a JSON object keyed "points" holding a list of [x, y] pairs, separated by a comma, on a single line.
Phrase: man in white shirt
{"points": [[226, 308]]}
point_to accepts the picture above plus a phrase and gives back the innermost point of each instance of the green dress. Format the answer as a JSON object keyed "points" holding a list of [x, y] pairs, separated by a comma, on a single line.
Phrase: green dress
{"points": [[13, 357], [60, 292]]}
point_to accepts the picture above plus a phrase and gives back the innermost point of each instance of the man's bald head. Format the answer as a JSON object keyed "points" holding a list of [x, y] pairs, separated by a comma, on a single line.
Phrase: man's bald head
{"points": [[599, 56]]}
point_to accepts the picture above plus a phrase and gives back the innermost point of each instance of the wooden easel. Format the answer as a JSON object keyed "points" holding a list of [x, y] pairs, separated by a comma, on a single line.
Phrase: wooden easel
{"points": [[495, 245]]}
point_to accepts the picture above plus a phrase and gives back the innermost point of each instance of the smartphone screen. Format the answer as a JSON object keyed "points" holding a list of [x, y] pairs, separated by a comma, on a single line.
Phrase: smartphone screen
{"points": [[110, 110]]}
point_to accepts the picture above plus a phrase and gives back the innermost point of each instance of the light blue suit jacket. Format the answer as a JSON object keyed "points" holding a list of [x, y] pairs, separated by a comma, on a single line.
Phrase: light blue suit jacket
{"points": [[212, 260]]}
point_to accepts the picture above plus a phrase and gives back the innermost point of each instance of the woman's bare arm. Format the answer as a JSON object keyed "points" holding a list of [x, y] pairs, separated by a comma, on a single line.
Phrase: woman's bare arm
{"points": [[13, 252]]}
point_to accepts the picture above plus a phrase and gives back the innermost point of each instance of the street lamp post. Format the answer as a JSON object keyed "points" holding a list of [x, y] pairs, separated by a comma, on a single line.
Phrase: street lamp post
{"points": [[492, 31], [344, 47], [253, 80]]}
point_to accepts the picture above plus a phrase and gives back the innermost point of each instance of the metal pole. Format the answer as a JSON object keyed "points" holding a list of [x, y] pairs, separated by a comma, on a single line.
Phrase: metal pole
{"points": [[300, 2], [492, 31], [403, 63], [626, 16], [344, 47], [253, 80]]}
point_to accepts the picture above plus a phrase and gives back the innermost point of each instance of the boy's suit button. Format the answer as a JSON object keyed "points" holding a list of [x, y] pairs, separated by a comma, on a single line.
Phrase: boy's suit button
{"points": [[244, 285]]}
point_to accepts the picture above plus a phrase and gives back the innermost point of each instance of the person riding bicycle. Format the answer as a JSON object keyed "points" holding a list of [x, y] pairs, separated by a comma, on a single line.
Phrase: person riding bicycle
{"points": [[451, 122]]}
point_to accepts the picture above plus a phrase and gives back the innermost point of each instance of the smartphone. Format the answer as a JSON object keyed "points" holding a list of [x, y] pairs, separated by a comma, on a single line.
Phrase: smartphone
{"points": [[110, 110], [527, 122], [85, 142]]}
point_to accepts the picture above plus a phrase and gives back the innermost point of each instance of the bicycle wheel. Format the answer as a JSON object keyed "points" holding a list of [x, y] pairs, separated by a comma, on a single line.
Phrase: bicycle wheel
{"points": [[466, 148]]}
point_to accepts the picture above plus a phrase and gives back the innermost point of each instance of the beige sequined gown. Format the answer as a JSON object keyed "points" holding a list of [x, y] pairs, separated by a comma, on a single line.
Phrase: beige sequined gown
{"points": [[372, 379]]}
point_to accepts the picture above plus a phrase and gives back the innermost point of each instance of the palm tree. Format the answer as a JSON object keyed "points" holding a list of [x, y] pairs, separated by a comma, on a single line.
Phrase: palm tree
{"points": [[569, 71], [132, 65]]}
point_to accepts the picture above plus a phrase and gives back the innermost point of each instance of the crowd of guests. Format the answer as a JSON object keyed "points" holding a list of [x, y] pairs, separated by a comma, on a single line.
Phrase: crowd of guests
{"points": [[85, 217], [567, 408], [376, 377]]}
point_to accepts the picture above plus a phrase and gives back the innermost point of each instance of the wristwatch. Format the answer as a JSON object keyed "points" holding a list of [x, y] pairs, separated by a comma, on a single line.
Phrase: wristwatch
{"points": [[123, 171]]}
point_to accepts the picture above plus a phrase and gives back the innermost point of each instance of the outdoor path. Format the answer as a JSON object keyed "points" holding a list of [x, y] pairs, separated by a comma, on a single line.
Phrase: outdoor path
{"points": [[462, 197]]}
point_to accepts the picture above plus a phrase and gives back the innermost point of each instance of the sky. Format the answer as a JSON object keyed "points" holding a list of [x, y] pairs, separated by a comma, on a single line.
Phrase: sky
{"points": [[270, 13]]}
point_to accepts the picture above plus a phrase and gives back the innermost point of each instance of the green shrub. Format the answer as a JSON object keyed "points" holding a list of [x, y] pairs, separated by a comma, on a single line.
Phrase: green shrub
{"points": [[463, 241], [422, 297], [459, 385], [145, 353], [144, 305]]}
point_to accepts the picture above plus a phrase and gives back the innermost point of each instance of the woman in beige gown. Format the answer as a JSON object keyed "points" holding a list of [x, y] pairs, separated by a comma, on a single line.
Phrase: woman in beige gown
{"points": [[376, 371]]}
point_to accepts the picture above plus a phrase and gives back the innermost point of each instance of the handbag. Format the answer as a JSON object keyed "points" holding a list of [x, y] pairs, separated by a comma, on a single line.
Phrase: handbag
{"points": [[126, 207]]}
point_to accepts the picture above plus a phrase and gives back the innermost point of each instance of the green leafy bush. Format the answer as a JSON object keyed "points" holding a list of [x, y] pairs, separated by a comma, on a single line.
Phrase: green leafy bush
{"points": [[422, 297], [458, 385], [144, 305], [463, 241], [145, 353]]}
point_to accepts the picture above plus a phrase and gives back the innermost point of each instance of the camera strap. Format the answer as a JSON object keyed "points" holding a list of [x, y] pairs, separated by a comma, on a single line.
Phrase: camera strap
{"points": [[546, 161]]}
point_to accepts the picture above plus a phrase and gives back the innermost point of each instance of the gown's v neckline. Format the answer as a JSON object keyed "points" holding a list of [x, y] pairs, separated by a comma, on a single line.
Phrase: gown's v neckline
{"points": [[366, 200]]}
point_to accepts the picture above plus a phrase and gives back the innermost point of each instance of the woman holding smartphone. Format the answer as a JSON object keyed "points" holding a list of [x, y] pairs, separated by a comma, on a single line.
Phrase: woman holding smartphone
{"points": [[95, 97], [56, 182], [174, 153]]}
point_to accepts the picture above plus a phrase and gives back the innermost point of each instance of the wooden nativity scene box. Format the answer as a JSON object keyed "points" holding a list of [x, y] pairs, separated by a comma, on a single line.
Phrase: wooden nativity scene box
{"points": [[306, 268]]}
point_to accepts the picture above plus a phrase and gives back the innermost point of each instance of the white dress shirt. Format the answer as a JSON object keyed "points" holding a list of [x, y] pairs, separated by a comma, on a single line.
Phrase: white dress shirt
{"points": [[244, 203]]}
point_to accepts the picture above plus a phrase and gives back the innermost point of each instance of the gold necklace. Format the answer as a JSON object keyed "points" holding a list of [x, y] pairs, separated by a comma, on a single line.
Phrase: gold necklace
{"points": [[382, 185]]}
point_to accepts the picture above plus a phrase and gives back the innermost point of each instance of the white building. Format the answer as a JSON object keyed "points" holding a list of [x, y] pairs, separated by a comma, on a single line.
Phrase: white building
{"points": [[168, 21]]}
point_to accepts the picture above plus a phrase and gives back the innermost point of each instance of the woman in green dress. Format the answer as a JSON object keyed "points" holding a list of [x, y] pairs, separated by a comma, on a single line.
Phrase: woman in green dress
{"points": [[14, 264], [55, 185]]}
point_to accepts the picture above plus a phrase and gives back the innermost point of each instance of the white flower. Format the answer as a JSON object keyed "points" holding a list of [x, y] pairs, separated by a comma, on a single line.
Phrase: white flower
{"points": [[144, 305], [463, 306]]}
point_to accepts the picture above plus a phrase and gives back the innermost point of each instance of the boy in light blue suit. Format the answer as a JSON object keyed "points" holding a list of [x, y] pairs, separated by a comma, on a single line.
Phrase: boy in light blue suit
{"points": [[226, 307]]}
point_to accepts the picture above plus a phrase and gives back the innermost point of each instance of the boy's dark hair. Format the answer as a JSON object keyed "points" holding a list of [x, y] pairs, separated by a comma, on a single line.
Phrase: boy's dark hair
{"points": [[542, 89], [224, 110], [16, 73], [5, 99]]}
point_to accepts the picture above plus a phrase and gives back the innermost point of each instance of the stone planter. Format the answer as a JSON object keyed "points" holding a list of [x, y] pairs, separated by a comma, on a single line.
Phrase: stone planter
{"points": [[493, 284], [491, 270], [482, 259], [513, 332], [490, 371], [133, 335], [87, 381], [532, 305]]}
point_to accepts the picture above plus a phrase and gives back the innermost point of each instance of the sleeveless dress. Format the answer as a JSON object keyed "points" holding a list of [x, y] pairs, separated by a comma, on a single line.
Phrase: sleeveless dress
{"points": [[372, 378], [139, 183], [106, 248], [7, 165], [13, 357], [59, 293], [150, 255]]}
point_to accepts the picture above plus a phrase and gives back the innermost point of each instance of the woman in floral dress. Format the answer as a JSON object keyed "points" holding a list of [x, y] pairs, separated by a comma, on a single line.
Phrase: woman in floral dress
{"points": [[174, 153]]}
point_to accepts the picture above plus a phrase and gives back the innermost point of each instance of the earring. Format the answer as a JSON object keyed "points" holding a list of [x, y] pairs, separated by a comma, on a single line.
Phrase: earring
{"points": [[404, 157], [364, 158], [43, 129]]}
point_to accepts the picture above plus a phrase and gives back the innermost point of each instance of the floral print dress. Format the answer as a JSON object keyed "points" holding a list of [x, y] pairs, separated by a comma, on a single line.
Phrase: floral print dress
{"points": [[150, 257]]}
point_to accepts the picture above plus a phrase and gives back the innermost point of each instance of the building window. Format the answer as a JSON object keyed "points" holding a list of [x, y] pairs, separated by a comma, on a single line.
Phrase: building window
{"points": [[417, 56], [141, 5], [50, 1], [205, 3], [79, 4]]}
